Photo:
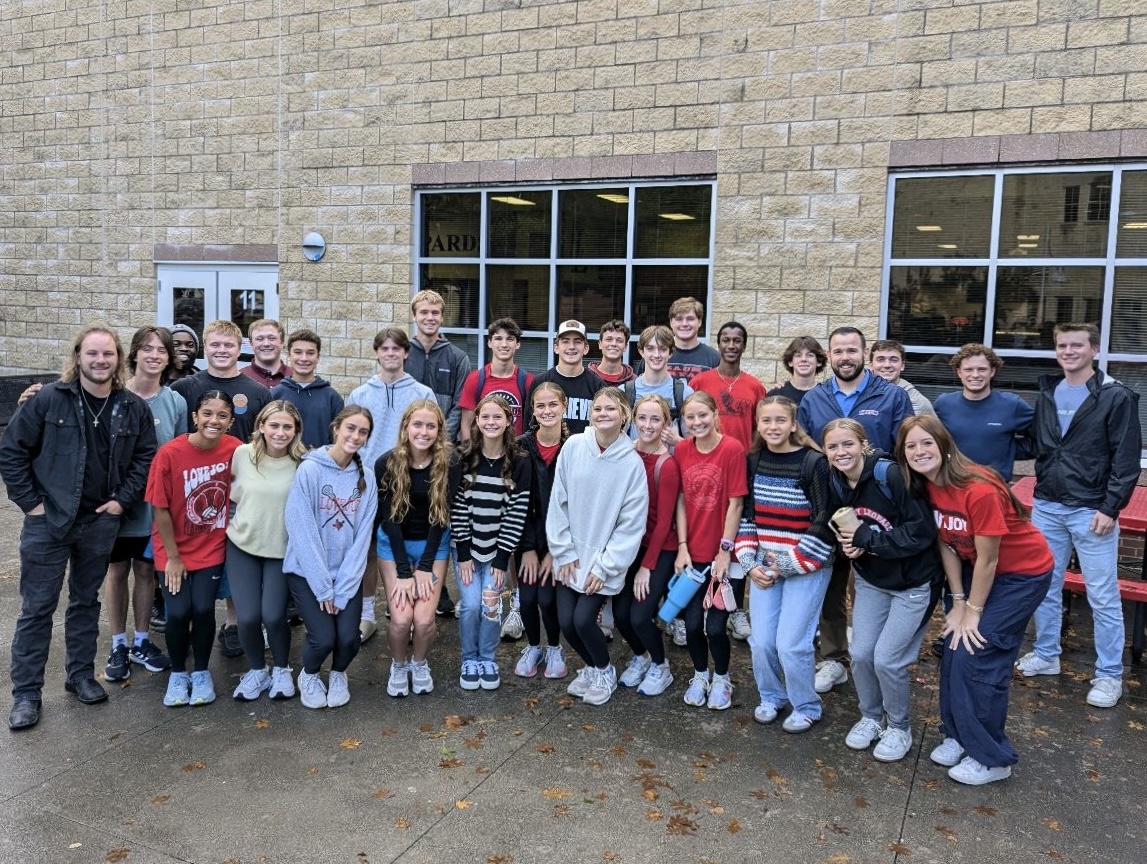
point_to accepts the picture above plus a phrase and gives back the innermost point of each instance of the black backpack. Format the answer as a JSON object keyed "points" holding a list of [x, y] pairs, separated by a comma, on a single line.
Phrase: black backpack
{"points": [[629, 388]]}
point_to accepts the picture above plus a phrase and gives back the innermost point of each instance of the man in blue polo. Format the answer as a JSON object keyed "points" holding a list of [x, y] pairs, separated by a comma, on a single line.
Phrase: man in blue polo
{"points": [[879, 407]]}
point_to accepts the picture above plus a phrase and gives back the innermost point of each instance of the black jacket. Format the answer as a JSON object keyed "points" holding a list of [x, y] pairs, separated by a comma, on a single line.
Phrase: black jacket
{"points": [[44, 450], [534, 534], [443, 369], [897, 533], [1096, 464]]}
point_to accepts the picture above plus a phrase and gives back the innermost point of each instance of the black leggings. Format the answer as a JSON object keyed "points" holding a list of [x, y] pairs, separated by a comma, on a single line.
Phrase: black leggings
{"points": [[326, 634], [578, 613], [260, 592], [539, 608], [191, 617], [636, 619], [705, 634]]}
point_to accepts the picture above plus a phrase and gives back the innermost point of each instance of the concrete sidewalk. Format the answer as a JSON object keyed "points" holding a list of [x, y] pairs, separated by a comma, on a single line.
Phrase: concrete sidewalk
{"points": [[525, 774]]}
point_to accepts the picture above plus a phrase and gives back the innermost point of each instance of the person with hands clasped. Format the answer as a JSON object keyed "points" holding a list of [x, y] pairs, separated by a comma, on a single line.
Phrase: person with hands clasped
{"points": [[330, 510], [713, 487], [416, 481], [998, 568], [595, 529], [785, 547], [890, 536]]}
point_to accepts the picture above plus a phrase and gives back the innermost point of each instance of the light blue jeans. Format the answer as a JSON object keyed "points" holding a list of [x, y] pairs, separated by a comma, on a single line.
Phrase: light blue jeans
{"points": [[784, 624], [1064, 528], [479, 618]]}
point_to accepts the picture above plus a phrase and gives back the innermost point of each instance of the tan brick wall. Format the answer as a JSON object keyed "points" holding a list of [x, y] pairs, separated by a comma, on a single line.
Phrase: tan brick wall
{"points": [[133, 124]]}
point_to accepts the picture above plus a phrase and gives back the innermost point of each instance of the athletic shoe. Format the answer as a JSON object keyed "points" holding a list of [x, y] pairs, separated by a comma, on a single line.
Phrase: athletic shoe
{"points": [[399, 683], [679, 637], [765, 713], [512, 627], [634, 673], [202, 688], [798, 722], [252, 685], [863, 733], [1105, 692], [580, 683], [147, 655], [338, 693], [893, 746], [697, 693], [445, 604], [421, 681], [294, 619], [829, 673], [119, 666], [527, 665], [488, 676], [312, 691], [366, 629], [556, 662], [657, 680], [178, 690], [720, 693], [607, 632], [229, 641], [972, 773], [158, 618], [602, 683], [949, 753], [468, 680], [282, 684], [739, 627], [1031, 664]]}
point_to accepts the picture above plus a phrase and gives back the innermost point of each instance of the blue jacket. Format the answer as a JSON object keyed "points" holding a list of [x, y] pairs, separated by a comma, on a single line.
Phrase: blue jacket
{"points": [[880, 409], [318, 403]]}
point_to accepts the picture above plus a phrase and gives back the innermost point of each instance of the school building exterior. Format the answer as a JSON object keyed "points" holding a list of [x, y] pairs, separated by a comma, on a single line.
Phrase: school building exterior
{"points": [[935, 171]]}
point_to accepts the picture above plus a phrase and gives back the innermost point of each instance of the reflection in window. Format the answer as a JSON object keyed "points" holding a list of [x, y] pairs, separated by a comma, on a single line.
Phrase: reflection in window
{"points": [[593, 223], [1055, 215], [458, 285], [937, 305], [1031, 300], [1132, 237], [187, 308], [673, 222], [943, 217], [656, 287], [521, 292], [451, 225], [519, 224], [1129, 323], [593, 294], [1134, 375]]}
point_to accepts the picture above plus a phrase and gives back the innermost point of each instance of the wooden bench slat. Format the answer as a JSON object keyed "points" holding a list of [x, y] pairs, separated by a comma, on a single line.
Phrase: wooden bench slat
{"points": [[1129, 589]]}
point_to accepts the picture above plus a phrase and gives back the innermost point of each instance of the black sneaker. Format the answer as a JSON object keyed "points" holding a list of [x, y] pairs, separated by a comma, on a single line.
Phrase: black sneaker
{"points": [[119, 666], [149, 657], [445, 604], [158, 618], [229, 641], [294, 619]]}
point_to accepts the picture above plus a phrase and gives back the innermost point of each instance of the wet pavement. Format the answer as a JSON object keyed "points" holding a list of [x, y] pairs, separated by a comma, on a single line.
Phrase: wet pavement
{"points": [[525, 774]]}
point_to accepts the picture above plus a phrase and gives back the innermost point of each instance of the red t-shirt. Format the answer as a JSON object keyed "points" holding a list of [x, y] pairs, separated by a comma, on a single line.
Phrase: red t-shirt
{"points": [[984, 508], [708, 481], [661, 523], [507, 388], [195, 487], [736, 400], [548, 452]]}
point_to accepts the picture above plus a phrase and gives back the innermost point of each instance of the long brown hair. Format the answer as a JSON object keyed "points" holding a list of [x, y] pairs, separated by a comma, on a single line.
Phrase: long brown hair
{"points": [[72, 363], [354, 411], [259, 443], [397, 476], [472, 450], [798, 437]]}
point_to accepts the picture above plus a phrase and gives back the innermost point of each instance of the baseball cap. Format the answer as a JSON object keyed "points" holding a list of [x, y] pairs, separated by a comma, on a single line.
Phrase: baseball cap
{"points": [[571, 326]]}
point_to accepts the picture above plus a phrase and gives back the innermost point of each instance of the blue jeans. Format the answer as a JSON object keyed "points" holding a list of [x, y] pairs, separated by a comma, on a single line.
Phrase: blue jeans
{"points": [[1064, 528], [479, 614], [43, 559], [784, 624]]}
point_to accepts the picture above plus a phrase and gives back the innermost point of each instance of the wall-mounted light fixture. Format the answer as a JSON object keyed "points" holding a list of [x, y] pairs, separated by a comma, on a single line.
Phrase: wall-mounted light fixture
{"points": [[314, 246]]}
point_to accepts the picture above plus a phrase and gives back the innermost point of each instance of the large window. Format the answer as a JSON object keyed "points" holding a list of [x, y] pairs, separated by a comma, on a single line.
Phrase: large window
{"points": [[1001, 257], [541, 255]]}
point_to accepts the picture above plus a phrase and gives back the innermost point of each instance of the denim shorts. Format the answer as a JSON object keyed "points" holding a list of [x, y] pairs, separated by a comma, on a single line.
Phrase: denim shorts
{"points": [[414, 548]]}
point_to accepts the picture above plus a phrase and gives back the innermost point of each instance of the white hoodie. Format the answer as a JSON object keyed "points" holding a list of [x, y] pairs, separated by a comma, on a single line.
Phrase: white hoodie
{"points": [[598, 508]]}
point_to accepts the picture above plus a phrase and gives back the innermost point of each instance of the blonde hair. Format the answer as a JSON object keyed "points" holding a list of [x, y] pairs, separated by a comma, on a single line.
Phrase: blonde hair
{"points": [[295, 449], [224, 328], [398, 467], [427, 296], [706, 400], [72, 363], [685, 305], [659, 401], [266, 322], [853, 427], [620, 399]]}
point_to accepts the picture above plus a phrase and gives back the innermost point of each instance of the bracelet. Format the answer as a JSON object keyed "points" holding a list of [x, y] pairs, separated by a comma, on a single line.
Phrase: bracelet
{"points": [[977, 609], [958, 596], [682, 542]]}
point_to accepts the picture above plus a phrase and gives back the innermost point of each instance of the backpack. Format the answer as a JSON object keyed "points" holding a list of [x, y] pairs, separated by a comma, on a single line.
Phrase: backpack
{"points": [[808, 469], [629, 388], [879, 473], [521, 381]]}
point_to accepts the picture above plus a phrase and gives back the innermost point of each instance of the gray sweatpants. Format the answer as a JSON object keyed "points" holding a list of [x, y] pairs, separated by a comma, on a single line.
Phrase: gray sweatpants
{"points": [[887, 628]]}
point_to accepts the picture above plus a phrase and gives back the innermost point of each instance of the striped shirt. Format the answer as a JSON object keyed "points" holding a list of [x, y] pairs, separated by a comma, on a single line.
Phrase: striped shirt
{"points": [[487, 519]]}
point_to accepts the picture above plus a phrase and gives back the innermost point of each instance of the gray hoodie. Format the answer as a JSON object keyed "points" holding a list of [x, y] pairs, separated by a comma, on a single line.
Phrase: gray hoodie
{"points": [[385, 402], [330, 524], [597, 509]]}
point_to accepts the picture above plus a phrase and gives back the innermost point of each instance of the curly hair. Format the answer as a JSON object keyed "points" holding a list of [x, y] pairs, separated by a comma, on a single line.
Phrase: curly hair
{"points": [[472, 450], [396, 480]]}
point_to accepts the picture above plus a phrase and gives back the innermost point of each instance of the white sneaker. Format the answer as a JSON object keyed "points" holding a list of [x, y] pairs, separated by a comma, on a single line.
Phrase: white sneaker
{"points": [[399, 682], [556, 662], [527, 665], [312, 691], [893, 746], [697, 693], [949, 753], [1031, 664], [178, 690], [862, 734], [797, 723], [366, 629], [338, 693], [972, 773], [657, 680], [739, 626], [634, 673], [512, 627], [421, 681], [720, 693], [679, 637], [765, 713], [252, 685], [829, 673], [580, 683], [1105, 692], [488, 675], [282, 683], [602, 683]]}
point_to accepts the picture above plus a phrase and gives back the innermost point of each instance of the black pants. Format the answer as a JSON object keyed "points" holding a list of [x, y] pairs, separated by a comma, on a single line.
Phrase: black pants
{"points": [[191, 617], [636, 618], [326, 634], [578, 613], [834, 613], [705, 634], [260, 592], [539, 608]]}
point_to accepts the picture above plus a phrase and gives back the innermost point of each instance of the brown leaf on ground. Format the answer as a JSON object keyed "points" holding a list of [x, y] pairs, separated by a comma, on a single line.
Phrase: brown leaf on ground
{"points": [[861, 802], [610, 856], [117, 854], [948, 833], [601, 796], [531, 702], [387, 733], [1051, 853], [733, 827], [595, 764], [457, 721], [899, 848], [197, 765], [544, 748], [160, 799], [402, 823], [646, 764], [653, 815], [361, 857], [262, 723], [650, 794], [681, 825], [1053, 824], [566, 702], [776, 776], [350, 743], [499, 859], [426, 727], [588, 727], [463, 804], [382, 794], [561, 811], [985, 810], [683, 806], [617, 750], [312, 770], [713, 806], [820, 763], [1093, 775], [699, 775], [556, 792], [931, 784], [451, 762], [474, 743], [836, 858]]}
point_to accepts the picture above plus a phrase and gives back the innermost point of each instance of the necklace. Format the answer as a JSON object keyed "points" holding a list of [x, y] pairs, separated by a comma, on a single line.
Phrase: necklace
{"points": [[490, 460], [95, 414], [729, 384]]}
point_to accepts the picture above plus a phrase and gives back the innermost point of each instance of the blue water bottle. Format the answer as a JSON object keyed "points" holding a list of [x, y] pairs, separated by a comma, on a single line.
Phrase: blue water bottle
{"points": [[682, 587]]}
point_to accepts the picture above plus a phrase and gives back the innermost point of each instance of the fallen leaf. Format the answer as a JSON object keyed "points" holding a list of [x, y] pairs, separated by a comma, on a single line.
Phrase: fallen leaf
{"points": [[544, 748], [734, 827], [646, 764], [861, 802], [452, 762], [425, 727], [899, 849], [1093, 775], [198, 765], [556, 792], [312, 770], [500, 859], [713, 806], [561, 811], [160, 799], [531, 702], [566, 702], [949, 811], [610, 856], [463, 804], [382, 794], [595, 764], [653, 815], [402, 822], [683, 806], [650, 794], [386, 733], [836, 858], [681, 825], [985, 810], [948, 833], [117, 854], [1051, 853], [588, 727], [457, 721], [262, 723], [617, 750], [474, 743], [776, 776], [350, 743], [1053, 824], [761, 795]]}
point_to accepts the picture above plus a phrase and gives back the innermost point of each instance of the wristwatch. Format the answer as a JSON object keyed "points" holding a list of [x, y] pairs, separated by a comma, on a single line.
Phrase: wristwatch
{"points": [[726, 545]]}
